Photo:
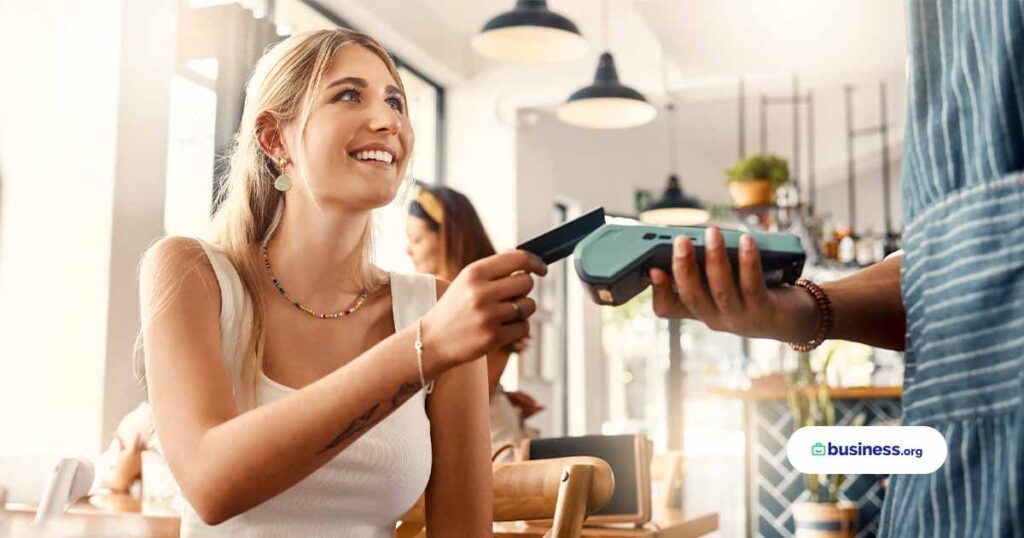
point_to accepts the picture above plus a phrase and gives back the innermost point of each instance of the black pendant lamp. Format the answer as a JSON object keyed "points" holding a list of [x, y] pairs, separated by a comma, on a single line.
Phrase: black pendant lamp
{"points": [[606, 103], [674, 208], [530, 33]]}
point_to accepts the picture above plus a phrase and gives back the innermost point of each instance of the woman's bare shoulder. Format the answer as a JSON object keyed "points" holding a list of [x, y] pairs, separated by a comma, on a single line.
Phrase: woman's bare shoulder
{"points": [[175, 252], [177, 263]]}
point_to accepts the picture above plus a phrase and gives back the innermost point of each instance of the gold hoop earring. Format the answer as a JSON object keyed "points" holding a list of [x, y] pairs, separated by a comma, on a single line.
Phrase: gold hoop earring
{"points": [[283, 183]]}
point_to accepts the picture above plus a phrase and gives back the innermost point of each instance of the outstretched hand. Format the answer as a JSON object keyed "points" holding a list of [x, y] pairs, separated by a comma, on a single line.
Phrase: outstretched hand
{"points": [[747, 307]]}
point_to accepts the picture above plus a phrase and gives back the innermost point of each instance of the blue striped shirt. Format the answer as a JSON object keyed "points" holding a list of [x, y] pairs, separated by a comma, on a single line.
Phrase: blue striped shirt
{"points": [[962, 274]]}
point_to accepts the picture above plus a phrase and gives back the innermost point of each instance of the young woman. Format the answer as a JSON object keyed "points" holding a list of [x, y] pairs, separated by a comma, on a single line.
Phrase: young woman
{"points": [[286, 372], [445, 236]]}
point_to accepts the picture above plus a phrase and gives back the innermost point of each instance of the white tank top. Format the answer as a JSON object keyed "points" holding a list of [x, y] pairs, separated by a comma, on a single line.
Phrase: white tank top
{"points": [[365, 489]]}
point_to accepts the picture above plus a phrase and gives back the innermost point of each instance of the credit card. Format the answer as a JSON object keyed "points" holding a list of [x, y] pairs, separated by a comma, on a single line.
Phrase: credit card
{"points": [[560, 242]]}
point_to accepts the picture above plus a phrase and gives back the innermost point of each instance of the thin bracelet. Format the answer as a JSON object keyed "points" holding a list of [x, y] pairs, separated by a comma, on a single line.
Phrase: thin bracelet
{"points": [[824, 311], [419, 359]]}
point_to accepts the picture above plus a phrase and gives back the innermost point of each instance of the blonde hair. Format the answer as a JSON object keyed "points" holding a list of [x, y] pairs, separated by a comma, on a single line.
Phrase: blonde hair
{"points": [[283, 88]]}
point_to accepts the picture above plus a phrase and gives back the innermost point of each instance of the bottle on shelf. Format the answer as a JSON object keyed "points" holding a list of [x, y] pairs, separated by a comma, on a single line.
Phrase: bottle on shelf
{"points": [[829, 240], [847, 254], [891, 243], [865, 250]]}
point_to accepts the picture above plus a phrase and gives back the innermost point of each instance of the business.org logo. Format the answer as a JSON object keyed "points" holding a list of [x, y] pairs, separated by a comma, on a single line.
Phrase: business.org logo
{"points": [[866, 450], [860, 449]]}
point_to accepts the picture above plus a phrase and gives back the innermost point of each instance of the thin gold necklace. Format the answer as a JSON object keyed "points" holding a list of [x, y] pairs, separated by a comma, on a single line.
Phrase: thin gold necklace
{"points": [[277, 284]]}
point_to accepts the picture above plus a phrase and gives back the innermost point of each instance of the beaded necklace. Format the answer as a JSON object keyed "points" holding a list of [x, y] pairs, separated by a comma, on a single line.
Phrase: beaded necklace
{"points": [[277, 284]]}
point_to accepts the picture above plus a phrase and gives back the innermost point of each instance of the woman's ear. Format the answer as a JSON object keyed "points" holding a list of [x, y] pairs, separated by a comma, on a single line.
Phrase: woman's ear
{"points": [[270, 135]]}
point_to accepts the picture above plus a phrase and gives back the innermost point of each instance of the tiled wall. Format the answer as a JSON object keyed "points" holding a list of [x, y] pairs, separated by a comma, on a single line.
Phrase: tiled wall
{"points": [[776, 485]]}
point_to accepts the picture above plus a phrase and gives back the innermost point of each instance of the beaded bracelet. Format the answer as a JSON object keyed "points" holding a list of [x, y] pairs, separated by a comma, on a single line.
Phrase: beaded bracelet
{"points": [[419, 360], [824, 311]]}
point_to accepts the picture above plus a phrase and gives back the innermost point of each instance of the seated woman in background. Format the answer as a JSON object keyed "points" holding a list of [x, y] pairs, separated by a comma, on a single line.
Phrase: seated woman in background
{"points": [[291, 380], [446, 235]]}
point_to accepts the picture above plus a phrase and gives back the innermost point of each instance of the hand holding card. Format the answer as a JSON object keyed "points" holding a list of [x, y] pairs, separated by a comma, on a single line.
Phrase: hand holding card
{"points": [[560, 242]]}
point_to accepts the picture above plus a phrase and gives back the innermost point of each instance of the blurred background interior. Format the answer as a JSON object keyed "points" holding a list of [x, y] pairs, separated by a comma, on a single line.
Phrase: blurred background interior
{"points": [[115, 114]]}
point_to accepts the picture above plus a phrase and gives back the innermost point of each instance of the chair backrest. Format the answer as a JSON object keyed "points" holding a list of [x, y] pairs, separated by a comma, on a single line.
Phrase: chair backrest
{"points": [[53, 482], [667, 473], [629, 457], [564, 490]]}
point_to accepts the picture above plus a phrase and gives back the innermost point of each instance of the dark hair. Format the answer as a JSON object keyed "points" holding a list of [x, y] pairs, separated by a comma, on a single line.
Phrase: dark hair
{"points": [[417, 211], [463, 238]]}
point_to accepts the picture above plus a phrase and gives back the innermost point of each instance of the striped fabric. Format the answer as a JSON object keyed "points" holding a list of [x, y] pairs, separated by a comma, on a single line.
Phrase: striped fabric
{"points": [[962, 274]]}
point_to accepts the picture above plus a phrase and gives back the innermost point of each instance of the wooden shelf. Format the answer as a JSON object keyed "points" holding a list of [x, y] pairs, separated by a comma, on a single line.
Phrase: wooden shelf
{"points": [[779, 393]]}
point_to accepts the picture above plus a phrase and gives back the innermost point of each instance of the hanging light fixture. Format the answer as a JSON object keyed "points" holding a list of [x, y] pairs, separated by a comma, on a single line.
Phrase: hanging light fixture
{"points": [[530, 33], [674, 208], [606, 103]]}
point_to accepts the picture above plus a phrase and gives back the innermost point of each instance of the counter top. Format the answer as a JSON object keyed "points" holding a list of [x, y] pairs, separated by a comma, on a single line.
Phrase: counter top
{"points": [[779, 393]]}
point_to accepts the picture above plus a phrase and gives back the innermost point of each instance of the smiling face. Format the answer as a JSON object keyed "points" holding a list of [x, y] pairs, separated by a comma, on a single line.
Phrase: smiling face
{"points": [[424, 245], [358, 138]]}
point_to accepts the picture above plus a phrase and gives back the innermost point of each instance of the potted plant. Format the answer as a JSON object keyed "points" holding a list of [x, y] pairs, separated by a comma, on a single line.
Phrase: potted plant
{"points": [[823, 514], [752, 181]]}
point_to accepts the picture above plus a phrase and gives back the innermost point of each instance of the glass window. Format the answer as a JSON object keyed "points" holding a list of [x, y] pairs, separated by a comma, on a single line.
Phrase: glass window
{"points": [[190, 149], [295, 16], [547, 356], [423, 100], [636, 346]]}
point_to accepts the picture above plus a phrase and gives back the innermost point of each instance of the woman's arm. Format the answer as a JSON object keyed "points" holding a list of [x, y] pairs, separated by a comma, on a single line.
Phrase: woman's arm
{"points": [[227, 462], [867, 306], [460, 495], [497, 359], [125, 464]]}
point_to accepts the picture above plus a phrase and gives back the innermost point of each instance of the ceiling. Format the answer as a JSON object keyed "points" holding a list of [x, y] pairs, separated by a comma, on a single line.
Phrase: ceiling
{"points": [[708, 40], [816, 38]]}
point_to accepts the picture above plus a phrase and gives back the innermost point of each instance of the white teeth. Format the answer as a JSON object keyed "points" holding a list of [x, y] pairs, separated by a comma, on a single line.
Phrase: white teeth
{"points": [[377, 155]]}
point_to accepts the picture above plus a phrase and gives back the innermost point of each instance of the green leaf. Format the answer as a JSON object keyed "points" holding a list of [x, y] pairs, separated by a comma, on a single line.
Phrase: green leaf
{"points": [[759, 167]]}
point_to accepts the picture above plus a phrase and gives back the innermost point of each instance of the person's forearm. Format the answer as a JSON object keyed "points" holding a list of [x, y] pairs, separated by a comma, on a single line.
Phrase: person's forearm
{"points": [[251, 458], [460, 495], [867, 306], [496, 362], [123, 474]]}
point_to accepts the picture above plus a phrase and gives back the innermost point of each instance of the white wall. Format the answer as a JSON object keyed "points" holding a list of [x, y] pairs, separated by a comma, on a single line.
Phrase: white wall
{"points": [[61, 60], [593, 167], [82, 159], [148, 57]]}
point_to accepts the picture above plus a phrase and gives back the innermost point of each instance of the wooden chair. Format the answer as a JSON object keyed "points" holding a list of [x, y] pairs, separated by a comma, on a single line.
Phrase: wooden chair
{"points": [[667, 472], [54, 482], [564, 490]]}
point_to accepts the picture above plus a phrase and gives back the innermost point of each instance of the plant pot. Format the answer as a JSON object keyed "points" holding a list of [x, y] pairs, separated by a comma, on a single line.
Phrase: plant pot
{"points": [[751, 193], [825, 520]]}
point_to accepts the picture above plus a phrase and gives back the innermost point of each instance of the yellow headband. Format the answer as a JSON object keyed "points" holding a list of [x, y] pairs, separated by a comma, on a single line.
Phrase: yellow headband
{"points": [[431, 205]]}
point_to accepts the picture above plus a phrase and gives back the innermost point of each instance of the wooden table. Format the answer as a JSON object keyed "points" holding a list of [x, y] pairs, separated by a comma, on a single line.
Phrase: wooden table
{"points": [[664, 524], [780, 393], [98, 516], [118, 515]]}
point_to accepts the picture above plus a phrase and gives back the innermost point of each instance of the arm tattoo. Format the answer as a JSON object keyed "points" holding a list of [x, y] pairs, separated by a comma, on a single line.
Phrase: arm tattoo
{"points": [[406, 390], [403, 393], [356, 425]]}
